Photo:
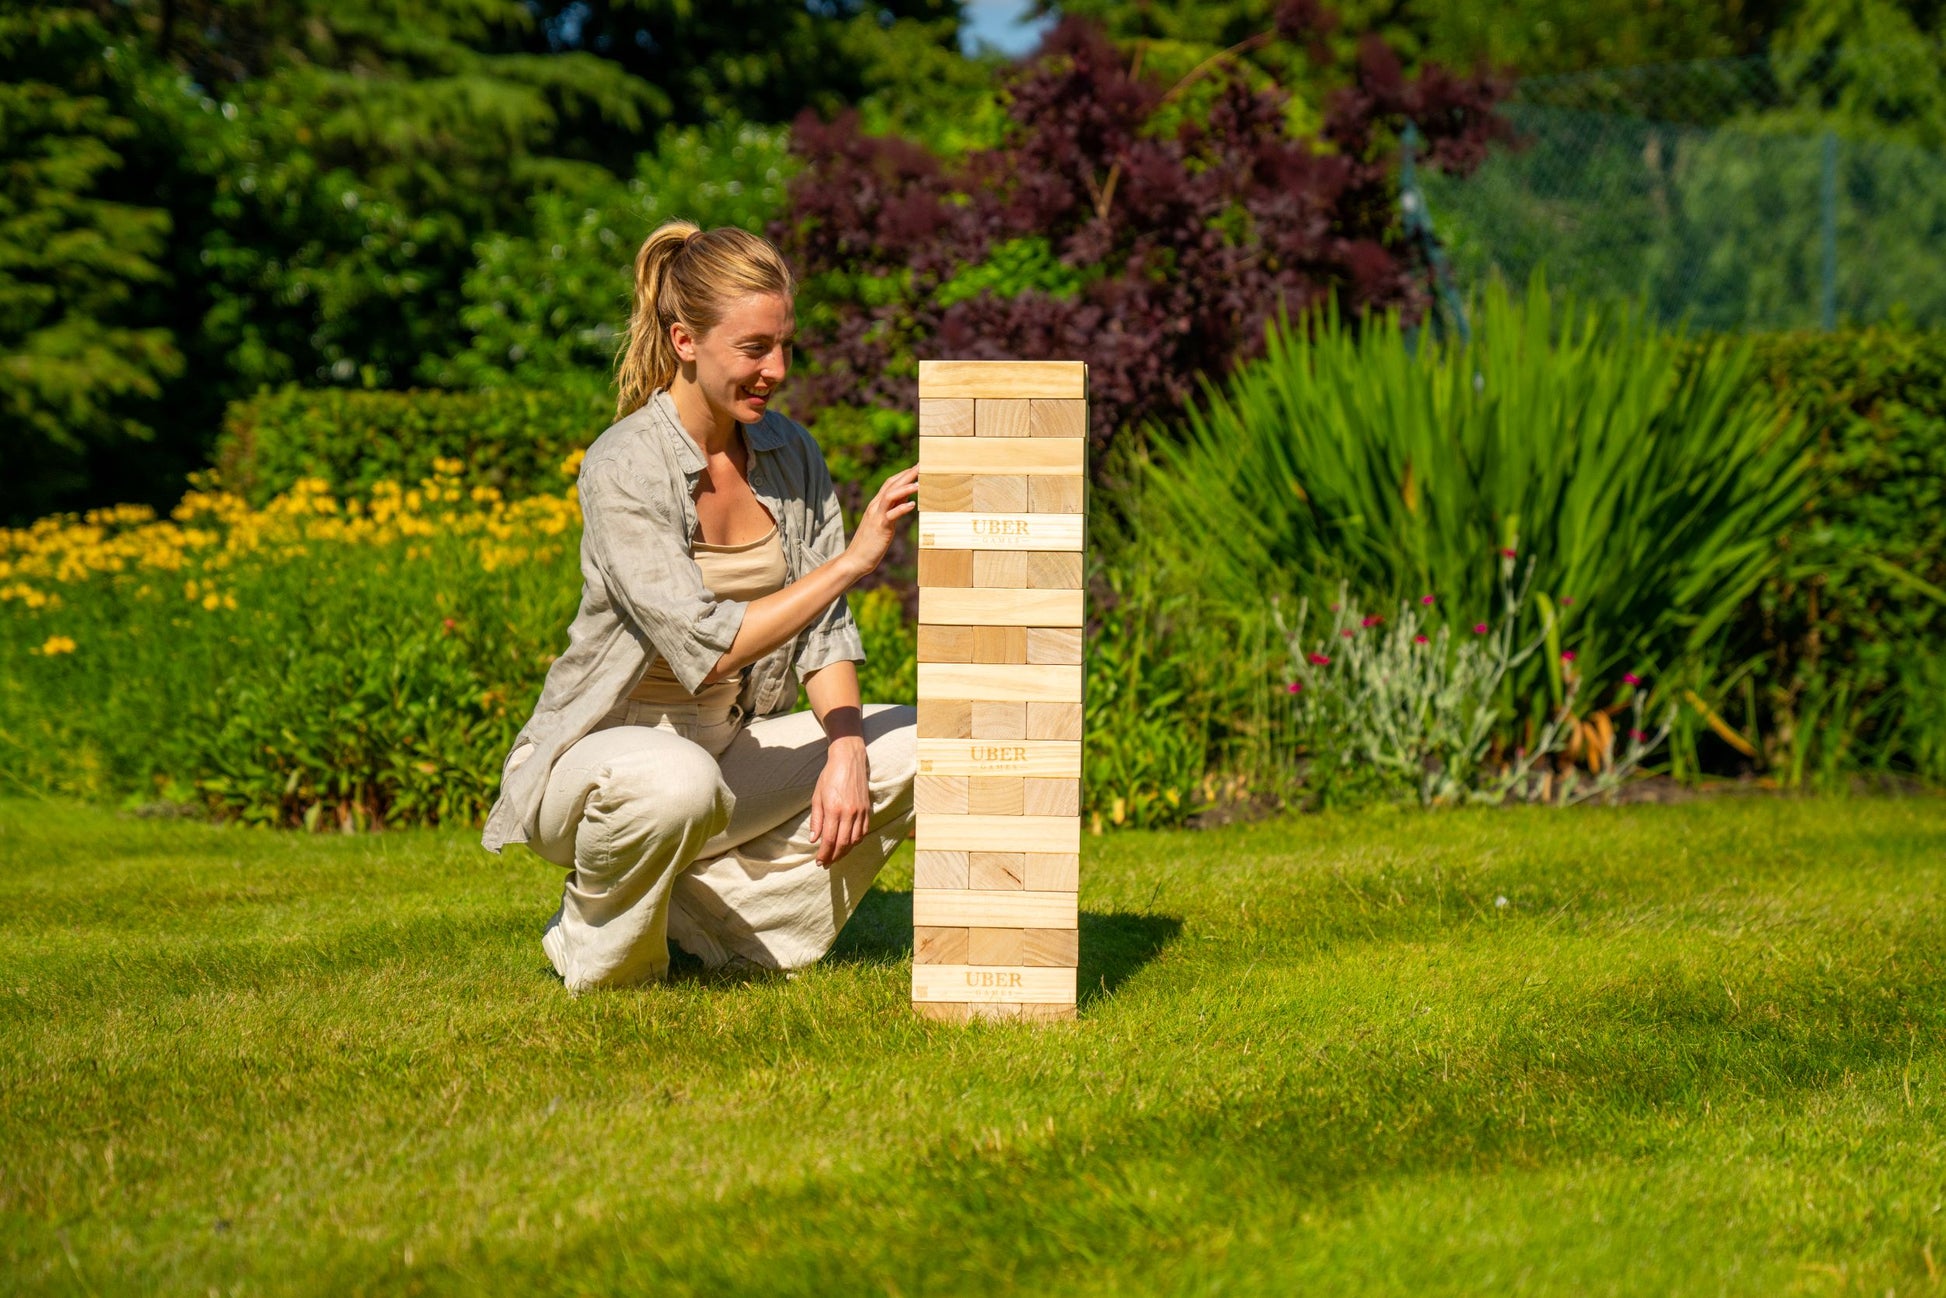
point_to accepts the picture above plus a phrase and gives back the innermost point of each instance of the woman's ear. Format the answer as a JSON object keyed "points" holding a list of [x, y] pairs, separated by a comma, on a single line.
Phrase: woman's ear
{"points": [[683, 341]]}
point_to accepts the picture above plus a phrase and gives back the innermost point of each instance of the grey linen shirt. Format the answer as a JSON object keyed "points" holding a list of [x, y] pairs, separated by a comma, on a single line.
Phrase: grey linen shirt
{"points": [[642, 596]]}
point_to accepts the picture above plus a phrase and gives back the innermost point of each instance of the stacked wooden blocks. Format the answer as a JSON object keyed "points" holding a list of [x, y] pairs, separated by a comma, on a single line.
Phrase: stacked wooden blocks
{"points": [[1002, 476]]}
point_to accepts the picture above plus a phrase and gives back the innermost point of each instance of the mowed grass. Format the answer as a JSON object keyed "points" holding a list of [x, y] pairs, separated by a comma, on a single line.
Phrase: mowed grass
{"points": [[1697, 1049]]}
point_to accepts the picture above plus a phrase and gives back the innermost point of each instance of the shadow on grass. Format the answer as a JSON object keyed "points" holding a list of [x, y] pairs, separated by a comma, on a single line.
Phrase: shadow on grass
{"points": [[1113, 945]]}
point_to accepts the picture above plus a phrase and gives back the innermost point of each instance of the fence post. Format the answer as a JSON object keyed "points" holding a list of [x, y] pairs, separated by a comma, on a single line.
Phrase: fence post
{"points": [[1828, 221]]}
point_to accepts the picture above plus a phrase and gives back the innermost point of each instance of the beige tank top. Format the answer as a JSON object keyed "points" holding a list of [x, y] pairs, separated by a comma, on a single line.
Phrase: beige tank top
{"points": [[740, 572]]}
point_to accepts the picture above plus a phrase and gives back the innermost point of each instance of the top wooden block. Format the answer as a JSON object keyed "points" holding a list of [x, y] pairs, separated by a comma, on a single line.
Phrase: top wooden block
{"points": [[1003, 380]]}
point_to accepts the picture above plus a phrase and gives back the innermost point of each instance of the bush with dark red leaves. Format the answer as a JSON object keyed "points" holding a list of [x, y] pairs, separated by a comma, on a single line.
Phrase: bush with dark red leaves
{"points": [[1149, 229]]}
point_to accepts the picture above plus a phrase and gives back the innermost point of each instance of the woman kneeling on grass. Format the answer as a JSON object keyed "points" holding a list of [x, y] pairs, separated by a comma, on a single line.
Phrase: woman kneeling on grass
{"points": [[662, 764]]}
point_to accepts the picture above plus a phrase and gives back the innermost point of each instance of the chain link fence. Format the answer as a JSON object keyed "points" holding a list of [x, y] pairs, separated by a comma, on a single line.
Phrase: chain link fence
{"points": [[1728, 194]]}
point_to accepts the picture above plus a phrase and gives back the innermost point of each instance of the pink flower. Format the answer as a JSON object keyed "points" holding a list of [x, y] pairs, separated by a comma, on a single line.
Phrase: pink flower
{"points": [[1567, 601], [1319, 660], [1639, 736], [1479, 628], [1347, 633], [1336, 607], [1371, 620], [448, 625], [1507, 553], [1631, 678], [1567, 655], [1422, 639], [1294, 687], [1425, 599]]}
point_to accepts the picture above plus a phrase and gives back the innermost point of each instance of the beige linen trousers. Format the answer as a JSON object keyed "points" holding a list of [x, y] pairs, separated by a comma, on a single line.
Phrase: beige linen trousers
{"points": [[678, 826]]}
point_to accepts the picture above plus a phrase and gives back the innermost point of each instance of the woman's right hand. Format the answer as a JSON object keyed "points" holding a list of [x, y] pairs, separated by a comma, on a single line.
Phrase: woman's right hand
{"points": [[880, 520]]}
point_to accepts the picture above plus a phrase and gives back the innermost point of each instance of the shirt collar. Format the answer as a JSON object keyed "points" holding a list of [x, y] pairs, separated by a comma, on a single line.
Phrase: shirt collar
{"points": [[764, 436]]}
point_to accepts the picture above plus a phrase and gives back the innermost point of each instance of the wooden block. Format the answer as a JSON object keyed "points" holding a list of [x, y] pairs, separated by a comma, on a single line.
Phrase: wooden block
{"points": [[1002, 946], [1003, 380], [940, 530], [996, 719], [1055, 1012], [1000, 417], [946, 419], [1050, 419], [1002, 569], [1052, 721], [940, 869], [1001, 682], [978, 983], [1000, 644], [949, 719], [946, 492], [1053, 947], [1003, 453], [953, 568], [1048, 495], [932, 944], [1039, 797], [954, 644], [994, 908], [948, 1011], [971, 833], [993, 795], [1049, 871], [992, 1011], [943, 793], [1005, 871], [1002, 607], [1045, 644], [1044, 758], [1046, 569], [999, 493]]}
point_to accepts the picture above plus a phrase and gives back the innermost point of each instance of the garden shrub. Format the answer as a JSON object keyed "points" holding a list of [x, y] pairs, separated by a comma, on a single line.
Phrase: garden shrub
{"points": [[510, 439], [318, 662], [1845, 636]]}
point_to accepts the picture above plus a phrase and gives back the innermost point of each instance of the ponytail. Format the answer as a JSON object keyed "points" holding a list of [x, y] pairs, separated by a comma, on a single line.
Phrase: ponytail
{"points": [[687, 274]]}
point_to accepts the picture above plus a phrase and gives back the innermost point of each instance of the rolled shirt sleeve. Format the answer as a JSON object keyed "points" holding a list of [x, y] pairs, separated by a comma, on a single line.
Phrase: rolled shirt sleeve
{"points": [[644, 562], [833, 637]]}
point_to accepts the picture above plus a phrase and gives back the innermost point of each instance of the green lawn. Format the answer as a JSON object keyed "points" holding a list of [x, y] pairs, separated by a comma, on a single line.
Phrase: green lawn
{"points": [[1697, 1049]]}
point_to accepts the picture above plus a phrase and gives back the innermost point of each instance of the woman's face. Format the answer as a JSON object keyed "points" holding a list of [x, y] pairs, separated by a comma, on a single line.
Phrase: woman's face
{"points": [[741, 362]]}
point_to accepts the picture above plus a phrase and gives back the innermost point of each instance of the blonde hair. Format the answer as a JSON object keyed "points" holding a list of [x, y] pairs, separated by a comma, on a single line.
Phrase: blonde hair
{"points": [[686, 273]]}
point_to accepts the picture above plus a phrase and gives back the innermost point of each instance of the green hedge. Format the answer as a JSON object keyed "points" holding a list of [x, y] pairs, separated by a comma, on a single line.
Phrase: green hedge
{"points": [[512, 439], [1849, 636]]}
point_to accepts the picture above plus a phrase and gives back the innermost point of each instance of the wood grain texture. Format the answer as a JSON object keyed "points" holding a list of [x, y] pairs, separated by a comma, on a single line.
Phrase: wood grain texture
{"points": [[997, 719], [986, 453], [1057, 948], [996, 493], [1003, 380], [945, 794], [951, 719], [1004, 946], [995, 908], [993, 795], [1000, 644], [946, 418], [1054, 419], [946, 492], [954, 644], [994, 569], [978, 983], [963, 530], [1000, 418], [1024, 682], [998, 833], [1049, 759], [1050, 495], [952, 567], [1046, 569], [1002, 607], [1053, 721], [940, 869], [1004, 871], [1038, 797], [1048, 871], [934, 944], [1046, 644]]}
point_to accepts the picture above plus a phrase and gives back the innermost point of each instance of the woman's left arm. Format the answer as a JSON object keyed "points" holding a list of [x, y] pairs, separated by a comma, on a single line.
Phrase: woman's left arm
{"points": [[841, 806]]}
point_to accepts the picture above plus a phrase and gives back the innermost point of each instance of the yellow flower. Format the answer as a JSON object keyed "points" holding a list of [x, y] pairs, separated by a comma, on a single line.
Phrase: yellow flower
{"points": [[57, 644], [212, 602]]}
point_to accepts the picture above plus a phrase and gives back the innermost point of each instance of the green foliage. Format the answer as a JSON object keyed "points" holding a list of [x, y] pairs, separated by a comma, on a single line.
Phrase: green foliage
{"points": [[1853, 621], [511, 439], [890, 672], [81, 362], [546, 307], [1649, 492]]}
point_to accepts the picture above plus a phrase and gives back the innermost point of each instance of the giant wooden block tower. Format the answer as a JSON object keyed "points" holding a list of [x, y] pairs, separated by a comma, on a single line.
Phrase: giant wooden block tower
{"points": [[1002, 476]]}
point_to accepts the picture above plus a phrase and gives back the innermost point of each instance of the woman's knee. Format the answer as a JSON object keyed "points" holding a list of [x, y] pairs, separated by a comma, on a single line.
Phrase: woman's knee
{"points": [[663, 793]]}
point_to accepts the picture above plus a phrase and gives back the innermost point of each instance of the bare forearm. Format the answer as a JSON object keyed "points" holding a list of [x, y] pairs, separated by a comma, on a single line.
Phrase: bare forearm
{"points": [[770, 621], [833, 691]]}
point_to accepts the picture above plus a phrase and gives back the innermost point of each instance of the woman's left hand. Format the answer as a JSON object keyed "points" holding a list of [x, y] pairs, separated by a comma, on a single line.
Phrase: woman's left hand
{"points": [[841, 806]]}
